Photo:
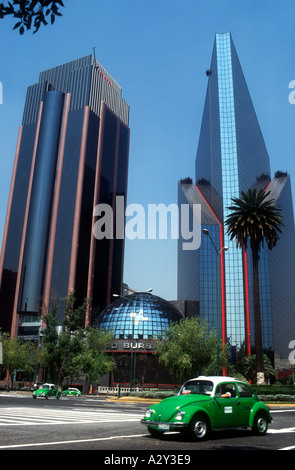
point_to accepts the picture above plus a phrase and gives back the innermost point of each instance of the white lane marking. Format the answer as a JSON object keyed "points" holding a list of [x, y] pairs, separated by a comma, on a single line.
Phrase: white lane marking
{"points": [[43, 417], [280, 431], [77, 441], [281, 411]]}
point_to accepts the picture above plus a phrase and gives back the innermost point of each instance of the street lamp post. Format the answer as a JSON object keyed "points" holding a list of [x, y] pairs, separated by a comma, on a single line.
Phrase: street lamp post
{"points": [[218, 252], [135, 321], [133, 356]]}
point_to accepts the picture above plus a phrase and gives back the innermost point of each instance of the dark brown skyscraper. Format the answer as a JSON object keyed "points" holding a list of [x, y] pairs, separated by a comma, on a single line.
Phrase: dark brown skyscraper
{"points": [[72, 154]]}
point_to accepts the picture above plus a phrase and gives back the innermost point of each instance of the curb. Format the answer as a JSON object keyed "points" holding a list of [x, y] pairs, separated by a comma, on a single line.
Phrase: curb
{"points": [[127, 399], [133, 400]]}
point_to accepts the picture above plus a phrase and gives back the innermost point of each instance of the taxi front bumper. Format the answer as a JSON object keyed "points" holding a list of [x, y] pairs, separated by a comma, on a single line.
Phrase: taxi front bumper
{"points": [[165, 425]]}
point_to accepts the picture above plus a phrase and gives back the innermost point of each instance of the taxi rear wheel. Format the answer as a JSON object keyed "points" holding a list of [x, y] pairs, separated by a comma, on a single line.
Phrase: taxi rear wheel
{"points": [[199, 427], [260, 424]]}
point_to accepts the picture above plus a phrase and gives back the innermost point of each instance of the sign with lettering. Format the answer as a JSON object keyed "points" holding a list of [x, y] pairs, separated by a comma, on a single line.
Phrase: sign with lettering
{"points": [[128, 345]]}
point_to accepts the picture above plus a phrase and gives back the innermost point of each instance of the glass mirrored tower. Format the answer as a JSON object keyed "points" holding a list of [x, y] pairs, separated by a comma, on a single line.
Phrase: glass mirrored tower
{"points": [[72, 154], [232, 157]]}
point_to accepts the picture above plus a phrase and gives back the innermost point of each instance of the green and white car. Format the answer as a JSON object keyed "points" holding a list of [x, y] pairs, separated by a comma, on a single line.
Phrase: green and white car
{"points": [[206, 404], [46, 390], [71, 391]]}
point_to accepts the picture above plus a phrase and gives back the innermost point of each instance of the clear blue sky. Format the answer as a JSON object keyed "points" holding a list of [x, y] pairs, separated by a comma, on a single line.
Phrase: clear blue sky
{"points": [[158, 51]]}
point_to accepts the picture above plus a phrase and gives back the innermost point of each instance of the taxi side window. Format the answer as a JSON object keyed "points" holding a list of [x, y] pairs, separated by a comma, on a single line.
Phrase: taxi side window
{"points": [[224, 390], [244, 391]]}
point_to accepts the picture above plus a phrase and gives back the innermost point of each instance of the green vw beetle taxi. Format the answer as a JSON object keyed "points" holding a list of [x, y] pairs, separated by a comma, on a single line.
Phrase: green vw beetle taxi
{"points": [[71, 392], [46, 390], [206, 404]]}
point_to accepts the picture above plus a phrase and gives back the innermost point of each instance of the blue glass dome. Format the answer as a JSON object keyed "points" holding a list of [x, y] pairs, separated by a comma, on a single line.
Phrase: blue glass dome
{"points": [[144, 313]]}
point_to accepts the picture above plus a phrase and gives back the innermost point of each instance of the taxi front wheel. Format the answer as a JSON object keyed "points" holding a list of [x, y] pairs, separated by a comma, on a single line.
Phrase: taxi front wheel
{"points": [[199, 427]]}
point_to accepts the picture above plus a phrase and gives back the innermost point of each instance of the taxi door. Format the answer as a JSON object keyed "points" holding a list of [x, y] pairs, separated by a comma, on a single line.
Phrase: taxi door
{"points": [[247, 400], [226, 406]]}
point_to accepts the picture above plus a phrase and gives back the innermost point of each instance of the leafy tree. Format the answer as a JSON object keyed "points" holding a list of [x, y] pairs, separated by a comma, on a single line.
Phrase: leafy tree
{"points": [[255, 218], [62, 346], [187, 348], [211, 368], [18, 354], [93, 361], [74, 315], [50, 341], [31, 13], [75, 351], [72, 352]]}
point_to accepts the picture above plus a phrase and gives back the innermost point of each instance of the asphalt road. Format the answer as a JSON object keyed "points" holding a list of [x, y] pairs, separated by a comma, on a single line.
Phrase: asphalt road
{"points": [[114, 429]]}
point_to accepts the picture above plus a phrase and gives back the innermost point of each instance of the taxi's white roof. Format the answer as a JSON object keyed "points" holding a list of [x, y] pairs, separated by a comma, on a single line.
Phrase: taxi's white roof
{"points": [[216, 379]]}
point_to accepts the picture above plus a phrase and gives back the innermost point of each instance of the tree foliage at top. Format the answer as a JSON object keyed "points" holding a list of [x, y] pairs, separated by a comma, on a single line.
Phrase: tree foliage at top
{"points": [[256, 218], [31, 13]]}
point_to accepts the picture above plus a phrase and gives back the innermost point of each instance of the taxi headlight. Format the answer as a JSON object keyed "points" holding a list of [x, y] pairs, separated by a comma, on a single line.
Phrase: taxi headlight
{"points": [[179, 415], [148, 413]]}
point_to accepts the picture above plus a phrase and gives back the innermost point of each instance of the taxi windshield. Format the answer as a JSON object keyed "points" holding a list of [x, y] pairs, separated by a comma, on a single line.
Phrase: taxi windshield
{"points": [[199, 387]]}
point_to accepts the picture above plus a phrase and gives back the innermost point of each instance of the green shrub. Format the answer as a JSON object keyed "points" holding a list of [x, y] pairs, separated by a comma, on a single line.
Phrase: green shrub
{"points": [[279, 397], [273, 390]]}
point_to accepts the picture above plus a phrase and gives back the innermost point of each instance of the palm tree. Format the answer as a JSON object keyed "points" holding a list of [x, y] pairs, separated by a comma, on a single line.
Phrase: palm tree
{"points": [[256, 218], [249, 364]]}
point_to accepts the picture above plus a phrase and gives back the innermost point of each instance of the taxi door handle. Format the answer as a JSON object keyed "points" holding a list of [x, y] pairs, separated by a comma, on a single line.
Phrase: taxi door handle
{"points": [[237, 402]]}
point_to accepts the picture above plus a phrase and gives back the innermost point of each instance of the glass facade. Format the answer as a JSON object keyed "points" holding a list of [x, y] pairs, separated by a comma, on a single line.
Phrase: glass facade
{"points": [[230, 186], [276, 271], [232, 157], [199, 276], [210, 282], [38, 225], [138, 316], [11, 244], [71, 155]]}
